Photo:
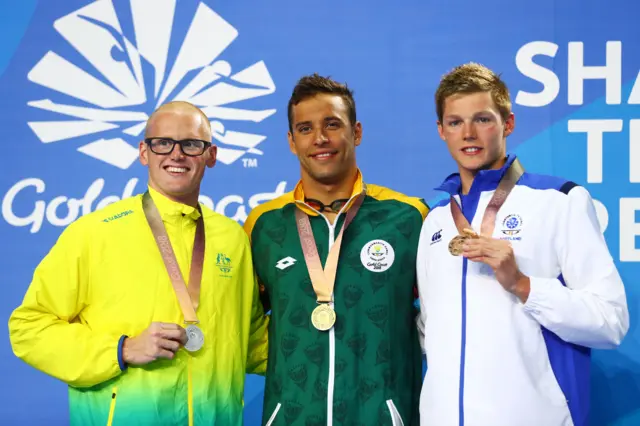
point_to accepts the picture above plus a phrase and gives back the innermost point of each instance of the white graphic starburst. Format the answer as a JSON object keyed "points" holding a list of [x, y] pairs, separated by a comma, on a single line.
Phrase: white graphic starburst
{"points": [[120, 81]]}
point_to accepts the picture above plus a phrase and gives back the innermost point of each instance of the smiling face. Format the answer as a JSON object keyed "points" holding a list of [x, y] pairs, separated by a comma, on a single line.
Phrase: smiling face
{"points": [[176, 175], [474, 118], [323, 139], [475, 132]]}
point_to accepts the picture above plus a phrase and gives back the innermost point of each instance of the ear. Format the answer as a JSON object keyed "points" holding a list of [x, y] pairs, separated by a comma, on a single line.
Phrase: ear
{"points": [[440, 130], [357, 130], [509, 125], [292, 143], [212, 157], [143, 153]]}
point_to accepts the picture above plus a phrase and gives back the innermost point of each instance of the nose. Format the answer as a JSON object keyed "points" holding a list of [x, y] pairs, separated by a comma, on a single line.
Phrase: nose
{"points": [[176, 152], [320, 137], [469, 132]]}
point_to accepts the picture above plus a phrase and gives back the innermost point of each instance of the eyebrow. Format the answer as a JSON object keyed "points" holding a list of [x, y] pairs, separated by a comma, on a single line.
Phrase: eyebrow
{"points": [[329, 118], [450, 116]]}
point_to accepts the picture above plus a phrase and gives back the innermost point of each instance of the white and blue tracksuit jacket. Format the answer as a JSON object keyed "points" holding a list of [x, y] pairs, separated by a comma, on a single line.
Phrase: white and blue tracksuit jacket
{"points": [[492, 360]]}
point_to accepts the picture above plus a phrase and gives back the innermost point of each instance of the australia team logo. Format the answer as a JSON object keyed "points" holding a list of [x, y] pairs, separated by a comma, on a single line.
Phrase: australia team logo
{"points": [[223, 262], [124, 58]]}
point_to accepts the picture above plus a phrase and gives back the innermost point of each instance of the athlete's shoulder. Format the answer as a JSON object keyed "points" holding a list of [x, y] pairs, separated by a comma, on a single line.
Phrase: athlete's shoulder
{"points": [[266, 207], [221, 223], [112, 212], [545, 182], [382, 193], [100, 222]]}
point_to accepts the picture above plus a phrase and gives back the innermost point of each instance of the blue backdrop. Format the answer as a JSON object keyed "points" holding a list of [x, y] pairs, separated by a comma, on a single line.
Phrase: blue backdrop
{"points": [[79, 77]]}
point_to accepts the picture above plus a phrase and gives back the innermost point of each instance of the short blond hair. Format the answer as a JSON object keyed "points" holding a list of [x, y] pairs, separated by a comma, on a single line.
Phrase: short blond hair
{"points": [[473, 78]]}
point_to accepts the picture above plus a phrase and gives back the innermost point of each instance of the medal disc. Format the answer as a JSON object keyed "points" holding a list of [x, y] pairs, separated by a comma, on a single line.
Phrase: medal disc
{"points": [[455, 245], [323, 317], [195, 338], [468, 232]]}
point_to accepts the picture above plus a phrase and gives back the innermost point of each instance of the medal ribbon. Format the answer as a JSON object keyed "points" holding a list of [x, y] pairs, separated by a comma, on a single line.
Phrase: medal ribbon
{"points": [[323, 280], [188, 297], [507, 183]]}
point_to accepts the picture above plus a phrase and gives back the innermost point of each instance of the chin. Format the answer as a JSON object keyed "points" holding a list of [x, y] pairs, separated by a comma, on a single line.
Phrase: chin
{"points": [[178, 191], [319, 174], [474, 164], [327, 178]]}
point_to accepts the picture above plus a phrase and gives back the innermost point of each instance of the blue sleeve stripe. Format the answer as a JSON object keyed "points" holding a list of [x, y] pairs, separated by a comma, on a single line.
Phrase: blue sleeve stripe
{"points": [[568, 186]]}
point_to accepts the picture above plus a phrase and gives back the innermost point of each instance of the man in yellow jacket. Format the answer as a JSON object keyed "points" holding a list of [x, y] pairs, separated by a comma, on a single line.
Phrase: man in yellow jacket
{"points": [[148, 308]]}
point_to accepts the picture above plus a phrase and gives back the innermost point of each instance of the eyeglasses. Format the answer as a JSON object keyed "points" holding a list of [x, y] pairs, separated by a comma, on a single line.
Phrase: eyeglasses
{"points": [[189, 147], [335, 206]]}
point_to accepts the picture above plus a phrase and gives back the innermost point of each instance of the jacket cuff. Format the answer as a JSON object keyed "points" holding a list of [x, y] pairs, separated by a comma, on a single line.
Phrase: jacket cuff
{"points": [[540, 295], [121, 363]]}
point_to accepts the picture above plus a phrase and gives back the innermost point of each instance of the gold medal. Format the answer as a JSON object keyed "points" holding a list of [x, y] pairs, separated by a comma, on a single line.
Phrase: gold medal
{"points": [[455, 245], [323, 317]]}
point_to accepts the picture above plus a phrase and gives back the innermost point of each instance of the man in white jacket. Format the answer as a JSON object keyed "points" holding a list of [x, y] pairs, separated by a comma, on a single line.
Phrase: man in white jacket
{"points": [[516, 282]]}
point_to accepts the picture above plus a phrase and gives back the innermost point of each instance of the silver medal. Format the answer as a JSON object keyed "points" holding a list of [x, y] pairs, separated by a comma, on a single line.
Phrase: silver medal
{"points": [[195, 338]]}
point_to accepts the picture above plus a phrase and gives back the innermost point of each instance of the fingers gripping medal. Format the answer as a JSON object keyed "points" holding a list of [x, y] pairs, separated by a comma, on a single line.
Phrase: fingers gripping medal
{"points": [[195, 338], [323, 317], [455, 245]]}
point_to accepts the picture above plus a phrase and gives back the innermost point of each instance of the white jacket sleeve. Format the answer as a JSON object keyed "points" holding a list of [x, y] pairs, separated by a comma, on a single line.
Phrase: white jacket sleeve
{"points": [[590, 309]]}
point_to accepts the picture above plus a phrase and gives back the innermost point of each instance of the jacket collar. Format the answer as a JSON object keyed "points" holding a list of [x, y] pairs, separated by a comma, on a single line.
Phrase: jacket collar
{"points": [[298, 195], [170, 209], [485, 180]]}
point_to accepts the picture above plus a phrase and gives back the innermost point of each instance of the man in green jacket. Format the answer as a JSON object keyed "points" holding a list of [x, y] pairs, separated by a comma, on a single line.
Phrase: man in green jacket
{"points": [[343, 342]]}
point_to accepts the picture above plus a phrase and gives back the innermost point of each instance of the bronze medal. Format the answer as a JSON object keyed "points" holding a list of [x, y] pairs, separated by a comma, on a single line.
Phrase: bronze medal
{"points": [[455, 245]]}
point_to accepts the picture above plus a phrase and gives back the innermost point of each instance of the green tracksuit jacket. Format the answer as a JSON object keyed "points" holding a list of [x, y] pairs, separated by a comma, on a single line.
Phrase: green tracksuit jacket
{"points": [[367, 369]]}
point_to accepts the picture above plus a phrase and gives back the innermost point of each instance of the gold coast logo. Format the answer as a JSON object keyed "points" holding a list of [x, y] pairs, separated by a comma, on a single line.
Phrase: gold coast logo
{"points": [[123, 61], [377, 255]]}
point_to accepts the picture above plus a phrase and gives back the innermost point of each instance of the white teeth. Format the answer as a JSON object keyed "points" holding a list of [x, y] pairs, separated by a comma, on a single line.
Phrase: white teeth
{"points": [[324, 155], [471, 149], [177, 169]]}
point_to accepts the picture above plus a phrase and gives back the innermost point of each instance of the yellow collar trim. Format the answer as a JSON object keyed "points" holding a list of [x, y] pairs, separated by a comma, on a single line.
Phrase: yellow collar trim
{"points": [[298, 195], [169, 208]]}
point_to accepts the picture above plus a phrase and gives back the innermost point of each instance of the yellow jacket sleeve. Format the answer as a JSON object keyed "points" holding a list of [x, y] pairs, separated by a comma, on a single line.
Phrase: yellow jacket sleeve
{"points": [[47, 331], [258, 348]]}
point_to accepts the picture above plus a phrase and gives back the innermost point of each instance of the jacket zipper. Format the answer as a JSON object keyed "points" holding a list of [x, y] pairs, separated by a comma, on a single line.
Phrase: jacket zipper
{"points": [[332, 335], [112, 406]]}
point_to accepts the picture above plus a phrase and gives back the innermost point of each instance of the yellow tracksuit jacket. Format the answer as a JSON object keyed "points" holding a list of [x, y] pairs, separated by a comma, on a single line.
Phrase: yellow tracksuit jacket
{"points": [[105, 279]]}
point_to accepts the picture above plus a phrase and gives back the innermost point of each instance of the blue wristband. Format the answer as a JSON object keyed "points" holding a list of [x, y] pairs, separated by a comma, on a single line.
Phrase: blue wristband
{"points": [[121, 363]]}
